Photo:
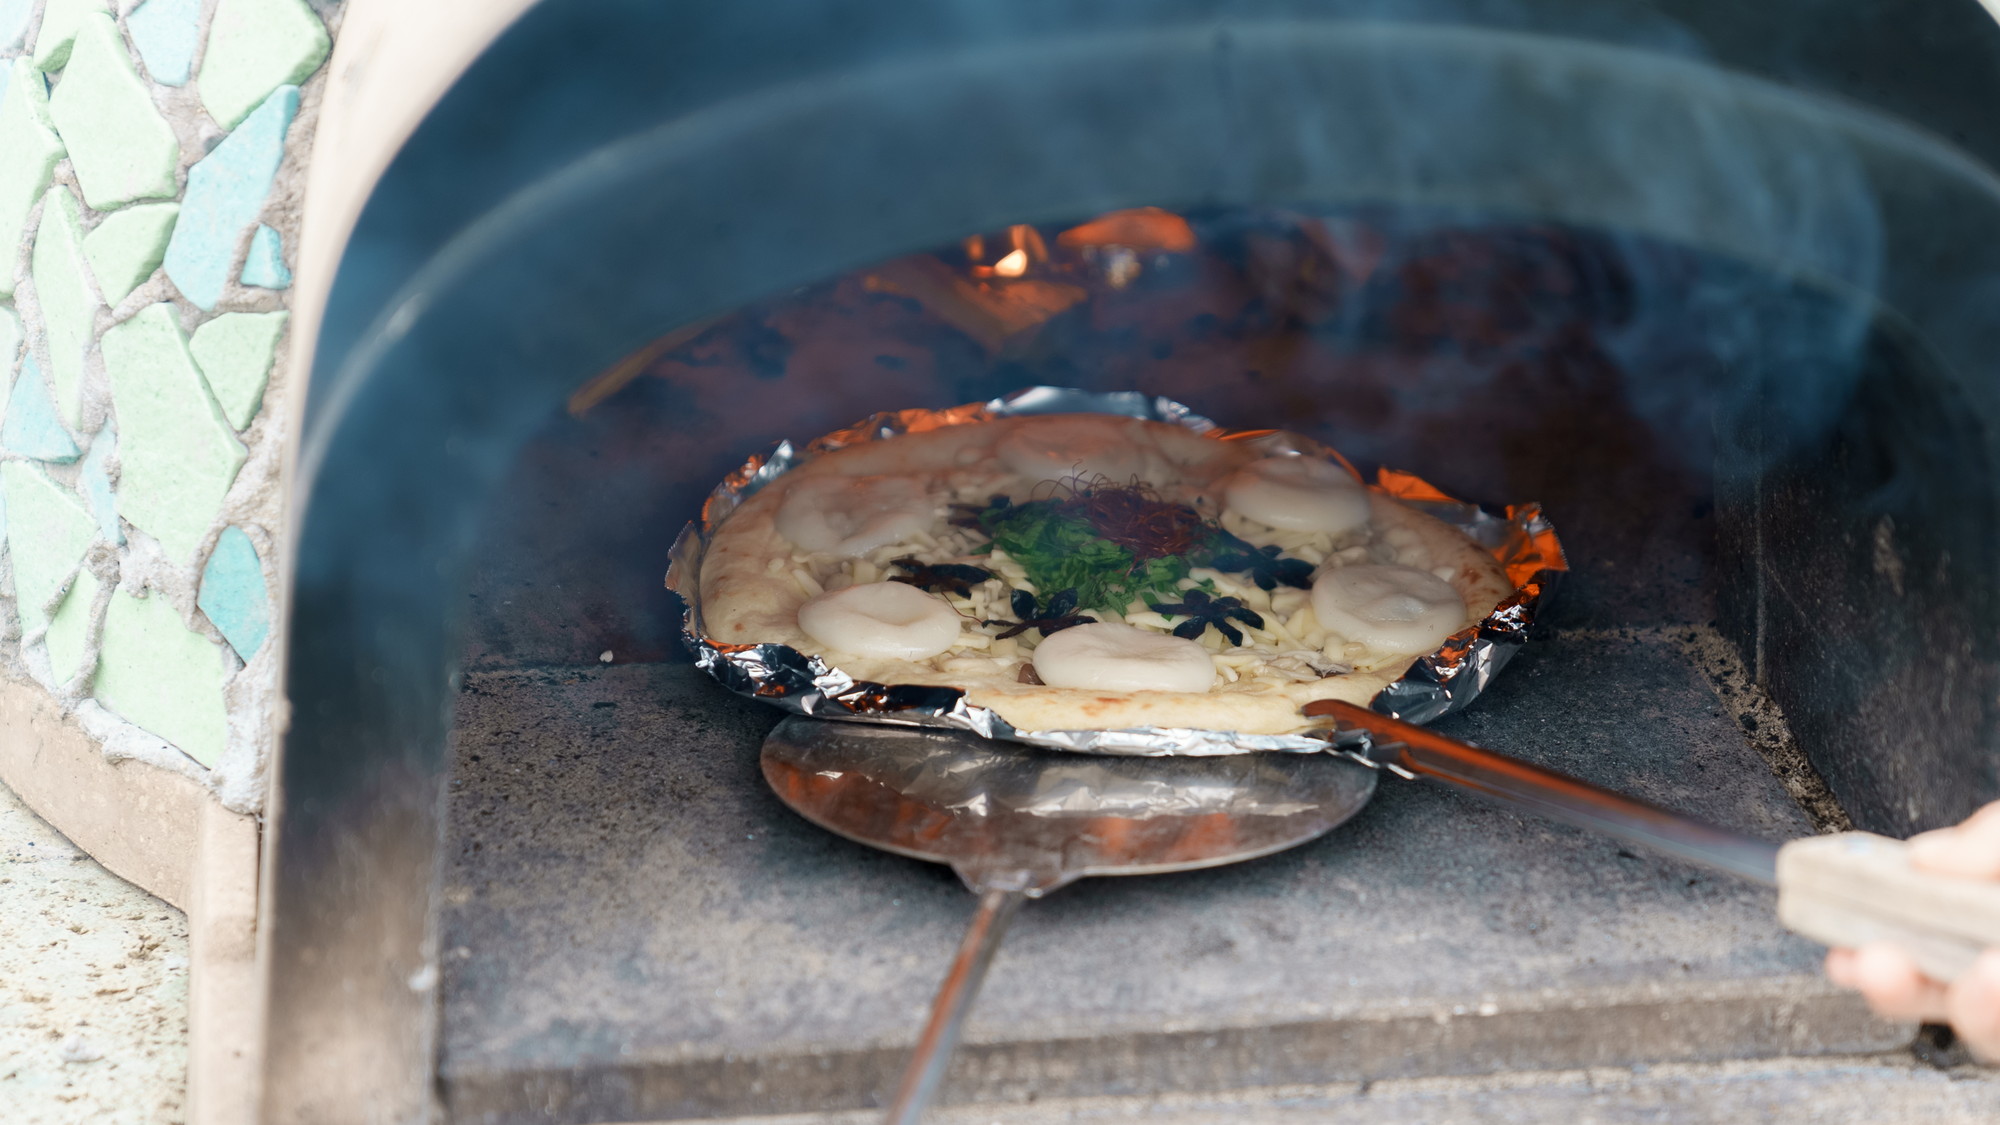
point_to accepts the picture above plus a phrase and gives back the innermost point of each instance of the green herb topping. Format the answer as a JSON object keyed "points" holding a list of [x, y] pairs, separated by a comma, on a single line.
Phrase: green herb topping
{"points": [[1109, 544]]}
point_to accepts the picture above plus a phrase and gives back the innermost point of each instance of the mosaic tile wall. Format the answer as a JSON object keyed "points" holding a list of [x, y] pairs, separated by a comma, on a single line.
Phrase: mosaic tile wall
{"points": [[150, 155]]}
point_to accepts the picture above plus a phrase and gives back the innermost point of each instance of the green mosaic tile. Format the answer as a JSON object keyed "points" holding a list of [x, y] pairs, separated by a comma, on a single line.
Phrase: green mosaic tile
{"points": [[127, 247], [70, 627], [10, 351], [178, 454], [254, 47], [69, 304], [235, 352], [154, 672], [48, 529], [121, 147], [29, 149], [59, 23]]}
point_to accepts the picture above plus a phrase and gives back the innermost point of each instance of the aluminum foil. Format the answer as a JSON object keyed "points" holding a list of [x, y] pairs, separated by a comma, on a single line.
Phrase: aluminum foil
{"points": [[1435, 685]]}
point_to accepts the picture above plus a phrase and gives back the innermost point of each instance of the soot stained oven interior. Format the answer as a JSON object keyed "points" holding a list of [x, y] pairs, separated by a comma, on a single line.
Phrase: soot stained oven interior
{"points": [[1712, 282], [1721, 447], [1749, 474]]}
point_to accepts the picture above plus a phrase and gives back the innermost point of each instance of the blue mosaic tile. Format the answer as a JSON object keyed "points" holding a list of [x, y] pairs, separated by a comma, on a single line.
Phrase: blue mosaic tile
{"points": [[95, 481], [13, 22], [225, 194], [32, 428], [166, 33], [233, 594], [265, 265]]}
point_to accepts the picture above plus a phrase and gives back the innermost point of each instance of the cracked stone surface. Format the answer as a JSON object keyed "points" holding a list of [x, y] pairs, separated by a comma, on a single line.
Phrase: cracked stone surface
{"points": [[178, 453], [93, 987]]}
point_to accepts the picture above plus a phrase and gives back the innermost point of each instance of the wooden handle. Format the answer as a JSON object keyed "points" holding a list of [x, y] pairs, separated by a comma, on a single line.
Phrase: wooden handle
{"points": [[1857, 888]]}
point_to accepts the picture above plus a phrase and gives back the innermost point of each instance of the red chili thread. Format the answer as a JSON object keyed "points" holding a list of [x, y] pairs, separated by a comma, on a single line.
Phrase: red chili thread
{"points": [[1135, 518]]}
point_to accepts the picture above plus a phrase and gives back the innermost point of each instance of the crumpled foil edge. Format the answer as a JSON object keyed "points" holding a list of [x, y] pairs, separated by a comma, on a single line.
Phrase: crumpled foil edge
{"points": [[1435, 685]]}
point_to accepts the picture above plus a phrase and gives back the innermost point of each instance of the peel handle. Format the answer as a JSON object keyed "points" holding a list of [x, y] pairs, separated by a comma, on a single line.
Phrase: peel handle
{"points": [[1418, 752], [924, 1073], [1856, 888]]}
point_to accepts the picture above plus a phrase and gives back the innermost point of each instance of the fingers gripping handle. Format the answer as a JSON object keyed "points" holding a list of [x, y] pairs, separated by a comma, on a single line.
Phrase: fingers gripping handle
{"points": [[1856, 888]]}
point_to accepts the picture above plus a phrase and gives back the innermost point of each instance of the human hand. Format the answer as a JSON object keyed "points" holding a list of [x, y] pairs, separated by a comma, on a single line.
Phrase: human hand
{"points": [[1891, 983]]}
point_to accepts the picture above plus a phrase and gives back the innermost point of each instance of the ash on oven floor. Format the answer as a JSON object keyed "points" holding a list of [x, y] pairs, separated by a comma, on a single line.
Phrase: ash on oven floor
{"points": [[635, 929]]}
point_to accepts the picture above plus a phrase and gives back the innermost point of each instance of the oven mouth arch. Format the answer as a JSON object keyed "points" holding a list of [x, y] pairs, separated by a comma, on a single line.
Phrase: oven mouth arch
{"points": [[418, 417], [1887, 159]]}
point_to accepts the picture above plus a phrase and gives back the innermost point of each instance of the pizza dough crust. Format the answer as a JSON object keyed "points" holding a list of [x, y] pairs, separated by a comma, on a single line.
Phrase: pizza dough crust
{"points": [[753, 579]]}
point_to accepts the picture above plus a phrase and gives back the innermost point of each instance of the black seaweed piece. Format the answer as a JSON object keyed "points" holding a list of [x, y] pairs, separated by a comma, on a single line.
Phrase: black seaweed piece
{"points": [[1203, 610], [1058, 614], [941, 578], [975, 516], [1264, 565]]}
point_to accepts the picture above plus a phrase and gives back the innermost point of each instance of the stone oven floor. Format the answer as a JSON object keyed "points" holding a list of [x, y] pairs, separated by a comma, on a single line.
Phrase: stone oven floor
{"points": [[635, 929]]}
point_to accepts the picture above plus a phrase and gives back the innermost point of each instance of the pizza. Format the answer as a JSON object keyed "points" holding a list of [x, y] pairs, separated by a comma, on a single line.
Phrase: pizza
{"points": [[1094, 572]]}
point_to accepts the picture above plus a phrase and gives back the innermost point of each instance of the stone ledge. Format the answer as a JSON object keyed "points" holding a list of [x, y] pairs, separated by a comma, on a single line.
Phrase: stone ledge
{"points": [[1868, 1090], [1769, 1019]]}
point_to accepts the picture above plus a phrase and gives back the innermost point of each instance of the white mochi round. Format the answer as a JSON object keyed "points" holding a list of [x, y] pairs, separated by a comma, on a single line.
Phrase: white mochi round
{"points": [[1297, 494], [890, 619], [1081, 446], [1391, 609], [1111, 657], [851, 516]]}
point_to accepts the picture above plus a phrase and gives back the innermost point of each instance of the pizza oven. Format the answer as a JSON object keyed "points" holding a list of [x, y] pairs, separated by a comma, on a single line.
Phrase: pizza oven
{"points": [[1712, 282]]}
